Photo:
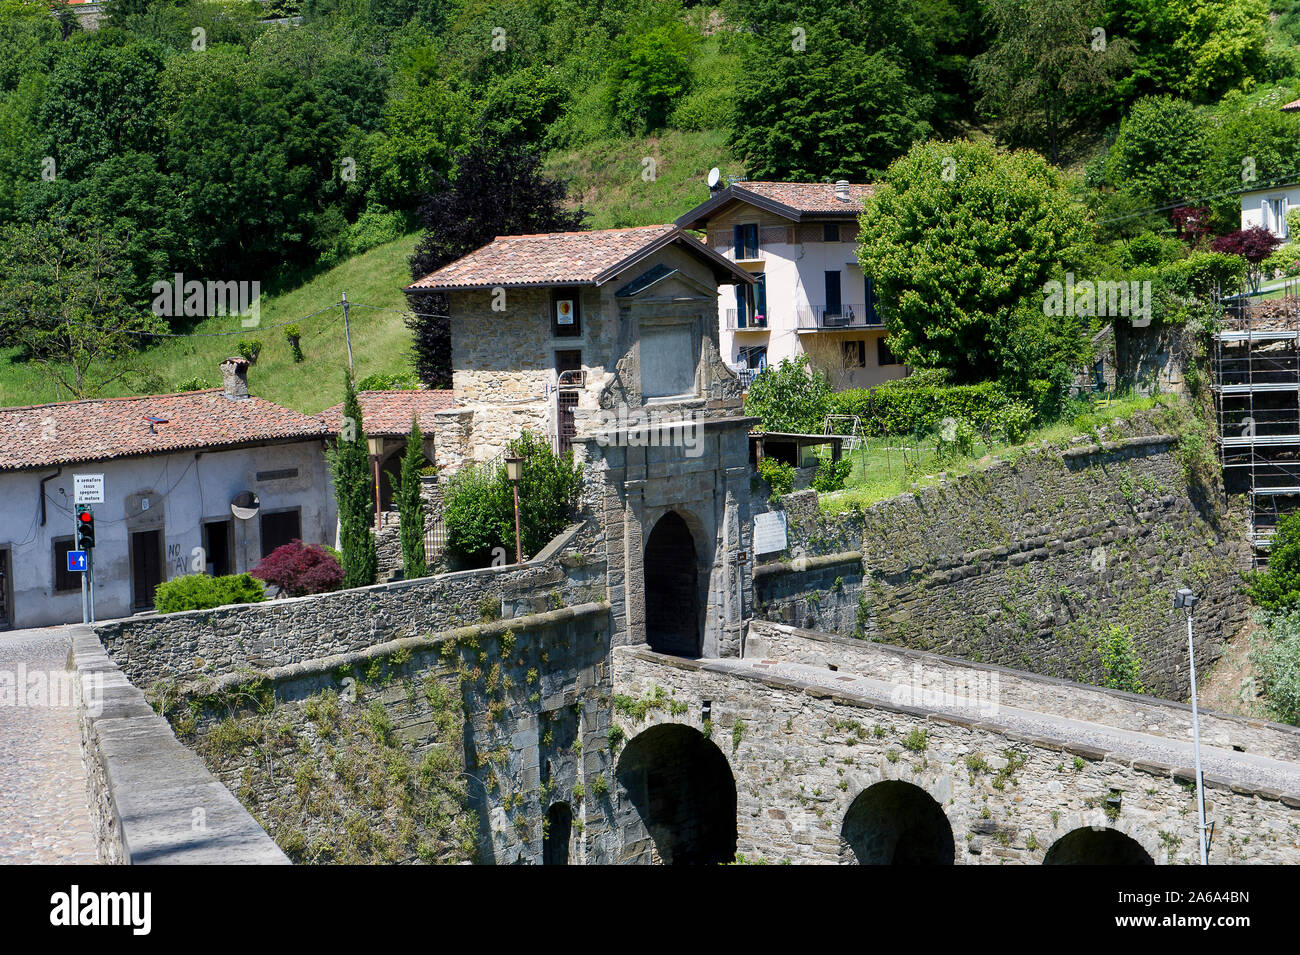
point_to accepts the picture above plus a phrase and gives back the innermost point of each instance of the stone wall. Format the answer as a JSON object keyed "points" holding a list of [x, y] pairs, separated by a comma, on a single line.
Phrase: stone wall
{"points": [[152, 801], [445, 748], [1025, 564], [801, 757], [197, 643], [917, 674]]}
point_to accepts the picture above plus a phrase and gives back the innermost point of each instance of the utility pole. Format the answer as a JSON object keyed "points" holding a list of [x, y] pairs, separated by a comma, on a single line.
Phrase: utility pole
{"points": [[347, 331]]}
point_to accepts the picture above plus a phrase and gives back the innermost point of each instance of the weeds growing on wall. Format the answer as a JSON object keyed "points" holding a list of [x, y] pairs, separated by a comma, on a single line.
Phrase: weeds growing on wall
{"points": [[1120, 661]]}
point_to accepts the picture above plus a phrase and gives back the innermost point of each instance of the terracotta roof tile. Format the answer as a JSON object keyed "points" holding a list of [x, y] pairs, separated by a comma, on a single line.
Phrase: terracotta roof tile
{"points": [[551, 258], [815, 198], [388, 413], [102, 429], [1292, 106]]}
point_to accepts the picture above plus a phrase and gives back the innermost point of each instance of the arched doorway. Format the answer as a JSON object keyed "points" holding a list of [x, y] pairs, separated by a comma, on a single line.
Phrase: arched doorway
{"points": [[672, 619], [1093, 846], [559, 829], [896, 823], [682, 793]]}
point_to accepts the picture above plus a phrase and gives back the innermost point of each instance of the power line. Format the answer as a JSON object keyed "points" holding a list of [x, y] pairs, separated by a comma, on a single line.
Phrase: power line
{"points": [[1286, 180]]}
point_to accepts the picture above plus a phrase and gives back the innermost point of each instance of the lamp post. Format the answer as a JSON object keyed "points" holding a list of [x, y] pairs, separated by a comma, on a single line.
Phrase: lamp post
{"points": [[376, 445], [515, 471], [1184, 599]]}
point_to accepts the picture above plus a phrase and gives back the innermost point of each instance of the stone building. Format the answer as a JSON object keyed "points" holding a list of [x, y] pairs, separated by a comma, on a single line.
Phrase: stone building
{"points": [[607, 342]]}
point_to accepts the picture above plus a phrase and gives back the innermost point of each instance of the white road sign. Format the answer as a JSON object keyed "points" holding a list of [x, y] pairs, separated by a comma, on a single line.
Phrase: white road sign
{"points": [[88, 488]]}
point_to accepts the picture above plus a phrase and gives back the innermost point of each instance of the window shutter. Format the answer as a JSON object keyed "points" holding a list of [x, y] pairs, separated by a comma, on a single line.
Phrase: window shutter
{"points": [[738, 240]]}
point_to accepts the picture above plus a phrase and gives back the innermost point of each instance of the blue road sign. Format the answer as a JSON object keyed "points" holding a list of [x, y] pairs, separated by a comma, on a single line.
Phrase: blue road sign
{"points": [[76, 561]]}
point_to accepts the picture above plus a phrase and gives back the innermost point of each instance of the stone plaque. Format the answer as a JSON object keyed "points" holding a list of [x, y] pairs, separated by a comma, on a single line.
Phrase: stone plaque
{"points": [[769, 532]]}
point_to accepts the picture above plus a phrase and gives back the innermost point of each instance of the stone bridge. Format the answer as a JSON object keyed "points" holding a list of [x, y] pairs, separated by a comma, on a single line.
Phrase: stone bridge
{"points": [[814, 748]]}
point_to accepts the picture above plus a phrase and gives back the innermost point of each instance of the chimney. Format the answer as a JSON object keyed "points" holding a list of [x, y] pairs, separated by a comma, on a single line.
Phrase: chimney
{"points": [[234, 377], [842, 190]]}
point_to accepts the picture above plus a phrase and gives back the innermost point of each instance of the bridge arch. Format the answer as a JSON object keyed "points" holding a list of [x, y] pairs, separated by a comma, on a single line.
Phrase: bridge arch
{"points": [[896, 823], [1097, 845], [677, 796], [672, 571]]}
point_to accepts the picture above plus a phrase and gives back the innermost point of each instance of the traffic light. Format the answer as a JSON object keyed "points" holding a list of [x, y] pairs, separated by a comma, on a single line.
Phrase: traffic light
{"points": [[85, 529]]}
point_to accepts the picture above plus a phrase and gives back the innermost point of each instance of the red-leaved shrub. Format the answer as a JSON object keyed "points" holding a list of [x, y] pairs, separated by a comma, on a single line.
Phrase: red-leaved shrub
{"points": [[298, 568]]}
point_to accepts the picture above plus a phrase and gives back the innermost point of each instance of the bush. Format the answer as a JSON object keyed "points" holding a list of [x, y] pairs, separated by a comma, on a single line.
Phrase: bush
{"points": [[900, 407], [1278, 662], [1120, 661], [250, 348], [293, 335], [298, 569], [400, 381], [478, 508], [201, 592], [792, 397], [778, 475], [832, 475], [1277, 587]]}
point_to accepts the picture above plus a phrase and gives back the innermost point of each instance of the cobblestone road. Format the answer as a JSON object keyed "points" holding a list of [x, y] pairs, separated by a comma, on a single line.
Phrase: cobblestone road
{"points": [[44, 816]]}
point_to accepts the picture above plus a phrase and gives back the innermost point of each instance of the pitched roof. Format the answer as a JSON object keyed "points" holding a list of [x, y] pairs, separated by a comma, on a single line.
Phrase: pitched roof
{"points": [[102, 429], [389, 413], [794, 200], [565, 258], [1292, 107]]}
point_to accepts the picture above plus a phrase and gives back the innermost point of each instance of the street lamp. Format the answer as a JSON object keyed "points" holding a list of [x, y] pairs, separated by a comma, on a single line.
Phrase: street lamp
{"points": [[515, 471], [376, 445], [1184, 599]]}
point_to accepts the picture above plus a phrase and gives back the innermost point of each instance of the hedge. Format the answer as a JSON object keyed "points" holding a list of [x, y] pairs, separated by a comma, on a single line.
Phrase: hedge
{"points": [[201, 592], [903, 408]]}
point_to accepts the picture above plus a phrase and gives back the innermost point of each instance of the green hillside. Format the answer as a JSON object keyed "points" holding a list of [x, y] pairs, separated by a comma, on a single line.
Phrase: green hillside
{"points": [[380, 342]]}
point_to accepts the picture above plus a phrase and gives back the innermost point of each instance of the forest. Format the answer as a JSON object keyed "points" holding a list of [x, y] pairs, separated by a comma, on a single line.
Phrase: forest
{"points": [[248, 141]]}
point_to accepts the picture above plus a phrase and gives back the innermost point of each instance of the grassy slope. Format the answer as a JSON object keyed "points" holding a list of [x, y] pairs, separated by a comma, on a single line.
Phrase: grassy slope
{"points": [[606, 177], [380, 342]]}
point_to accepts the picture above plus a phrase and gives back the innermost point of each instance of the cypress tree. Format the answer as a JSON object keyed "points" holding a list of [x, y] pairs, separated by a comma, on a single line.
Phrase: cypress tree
{"points": [[410, 506], [354, 491]]}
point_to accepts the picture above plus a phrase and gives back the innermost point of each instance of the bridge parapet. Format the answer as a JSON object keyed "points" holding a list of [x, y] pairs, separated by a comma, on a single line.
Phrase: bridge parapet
{"points": [[809, 747], [917, 674]]}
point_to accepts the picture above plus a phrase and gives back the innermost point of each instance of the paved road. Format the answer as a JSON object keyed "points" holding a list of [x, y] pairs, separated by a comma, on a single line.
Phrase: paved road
{"points": [[44, 816], [1238, 767]]}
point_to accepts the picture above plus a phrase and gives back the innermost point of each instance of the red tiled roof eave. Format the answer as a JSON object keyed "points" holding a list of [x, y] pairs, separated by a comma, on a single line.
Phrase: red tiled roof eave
{"points": [[105, 429]]}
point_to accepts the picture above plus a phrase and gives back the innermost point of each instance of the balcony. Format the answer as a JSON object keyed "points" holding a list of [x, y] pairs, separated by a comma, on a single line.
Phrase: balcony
{"points": [[845, 318], [738, 321]]}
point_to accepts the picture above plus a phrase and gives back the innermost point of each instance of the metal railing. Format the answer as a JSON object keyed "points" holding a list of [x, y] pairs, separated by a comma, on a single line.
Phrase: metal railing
{"points": [[845, 316], [738, 321]]}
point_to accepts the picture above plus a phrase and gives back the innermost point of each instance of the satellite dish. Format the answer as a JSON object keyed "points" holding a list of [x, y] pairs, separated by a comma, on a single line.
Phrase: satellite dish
{"points": [[244, 505], [715, 177]]}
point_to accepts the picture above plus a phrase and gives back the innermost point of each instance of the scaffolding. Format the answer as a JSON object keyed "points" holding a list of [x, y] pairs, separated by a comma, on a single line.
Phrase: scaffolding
{"points": [[1257, 401]]}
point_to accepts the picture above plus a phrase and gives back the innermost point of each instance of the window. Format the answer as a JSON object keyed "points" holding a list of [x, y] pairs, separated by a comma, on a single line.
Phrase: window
{"points": [[566, 313], [217, 539], [63, 580], [1277, 208], [280, 527], [754, 357], [855, 354], [831, 232], [883, 355], [751, 303], [746, 240]]}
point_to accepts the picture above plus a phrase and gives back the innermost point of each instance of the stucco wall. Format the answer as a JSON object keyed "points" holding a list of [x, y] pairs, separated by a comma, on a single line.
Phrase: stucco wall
{"points": [[184, 491]]}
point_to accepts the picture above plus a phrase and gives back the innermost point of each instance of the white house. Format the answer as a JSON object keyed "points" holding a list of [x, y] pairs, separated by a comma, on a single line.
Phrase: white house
{"points": [[1268, 207], [810, 295], [172, 466]]}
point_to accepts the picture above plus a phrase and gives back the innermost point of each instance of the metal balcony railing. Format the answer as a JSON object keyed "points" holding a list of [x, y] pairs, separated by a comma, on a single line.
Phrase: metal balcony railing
{"points": [[739, 321], [846, 316]]}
